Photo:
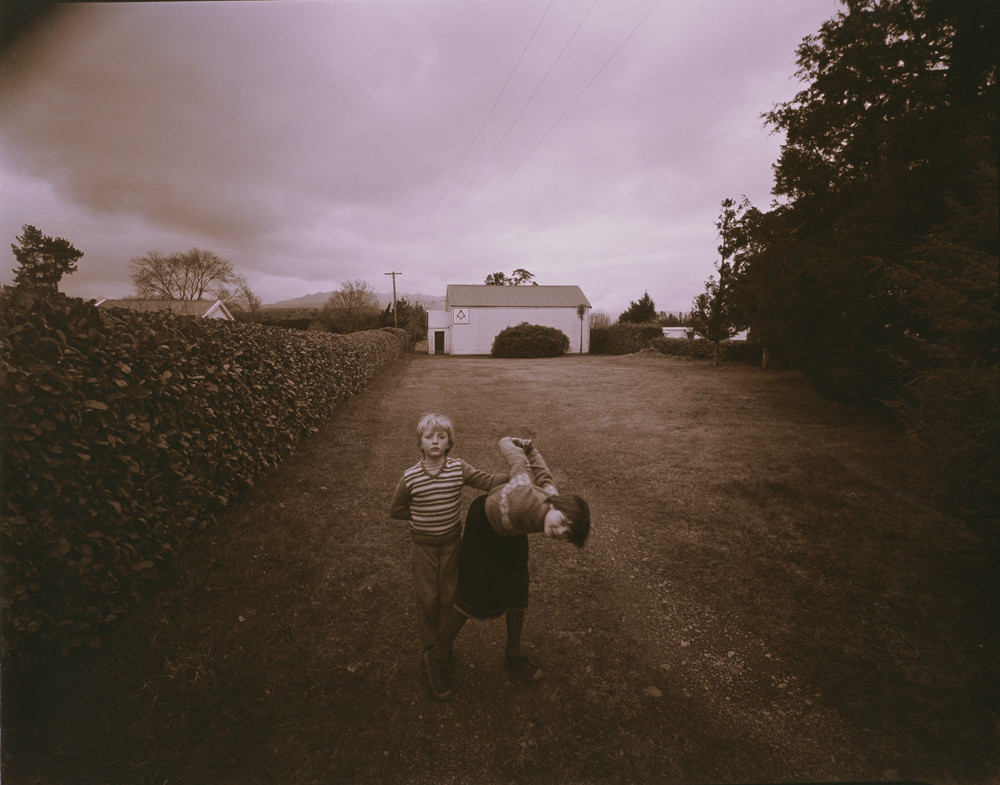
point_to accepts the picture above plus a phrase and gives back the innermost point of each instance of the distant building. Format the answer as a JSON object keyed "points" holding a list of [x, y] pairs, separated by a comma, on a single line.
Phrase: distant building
{"points": [[678, 332], [475, 315], [204, 309]]}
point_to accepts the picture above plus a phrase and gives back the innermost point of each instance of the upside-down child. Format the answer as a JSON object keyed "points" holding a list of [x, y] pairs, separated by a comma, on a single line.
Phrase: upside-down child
{"points": [[429, 496], [493, 558]]}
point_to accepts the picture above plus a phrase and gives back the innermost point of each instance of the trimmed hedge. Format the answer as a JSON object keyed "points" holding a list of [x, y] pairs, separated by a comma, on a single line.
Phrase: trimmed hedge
{"points": [[626, 338], [124, 431], [698, 348], [530, 340], [622, 338]]}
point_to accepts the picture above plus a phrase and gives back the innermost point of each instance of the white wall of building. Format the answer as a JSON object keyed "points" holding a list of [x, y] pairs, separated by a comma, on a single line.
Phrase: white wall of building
{"points": [[473, 329]]}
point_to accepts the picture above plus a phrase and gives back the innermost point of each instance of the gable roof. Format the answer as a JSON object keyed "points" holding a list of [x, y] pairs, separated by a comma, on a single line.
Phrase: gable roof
{"points": [[206, 309], [515, 296]]}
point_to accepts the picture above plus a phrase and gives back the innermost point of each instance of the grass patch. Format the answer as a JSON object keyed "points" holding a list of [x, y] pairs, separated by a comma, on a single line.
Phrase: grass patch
{"points": [[770, 593]]}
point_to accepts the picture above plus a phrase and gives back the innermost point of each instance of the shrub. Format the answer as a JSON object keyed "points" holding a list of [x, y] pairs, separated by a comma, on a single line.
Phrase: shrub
{"points": [[622, 338], [698, 348], [530, 340], [124, 431]]}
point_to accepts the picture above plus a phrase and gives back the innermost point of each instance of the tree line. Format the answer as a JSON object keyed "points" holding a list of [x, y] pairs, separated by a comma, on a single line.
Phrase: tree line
{"points": [[43, 261], [875, 268]]}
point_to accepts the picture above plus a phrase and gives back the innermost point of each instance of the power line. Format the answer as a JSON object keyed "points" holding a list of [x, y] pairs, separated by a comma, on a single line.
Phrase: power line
{"points": [[487, 117], [520, 113], [565, 112]]}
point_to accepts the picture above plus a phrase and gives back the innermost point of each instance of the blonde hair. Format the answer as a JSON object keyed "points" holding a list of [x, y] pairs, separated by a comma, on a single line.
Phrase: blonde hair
{"points": [[435, 422]]}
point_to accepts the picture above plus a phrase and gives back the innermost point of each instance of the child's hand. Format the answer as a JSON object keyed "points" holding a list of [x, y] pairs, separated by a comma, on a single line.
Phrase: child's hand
{"points": [[524, 444]]}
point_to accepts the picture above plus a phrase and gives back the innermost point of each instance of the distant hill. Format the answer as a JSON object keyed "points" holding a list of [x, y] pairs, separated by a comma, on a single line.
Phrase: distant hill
{"points": [[318, 300]]}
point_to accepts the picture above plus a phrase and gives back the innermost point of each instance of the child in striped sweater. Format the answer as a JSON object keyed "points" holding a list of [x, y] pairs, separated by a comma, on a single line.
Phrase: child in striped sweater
{"points": [[493, 558], [429, 496]]}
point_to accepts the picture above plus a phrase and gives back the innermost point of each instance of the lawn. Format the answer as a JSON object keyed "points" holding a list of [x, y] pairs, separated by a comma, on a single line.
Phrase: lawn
{"points": [[770, 593]]}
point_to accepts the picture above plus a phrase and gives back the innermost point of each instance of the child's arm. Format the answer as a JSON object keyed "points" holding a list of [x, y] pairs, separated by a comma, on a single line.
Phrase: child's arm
{"points": [[400, 505], [483, 481], [540, 474], [515, 457]]}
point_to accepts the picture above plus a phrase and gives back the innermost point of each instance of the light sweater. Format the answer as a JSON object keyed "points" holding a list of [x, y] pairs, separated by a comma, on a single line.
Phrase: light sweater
{"points": [[520, 506], [432, 502]]}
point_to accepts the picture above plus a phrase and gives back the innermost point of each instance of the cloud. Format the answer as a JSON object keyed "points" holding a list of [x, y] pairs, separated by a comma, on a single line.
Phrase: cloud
{"points": [[313, 143]]}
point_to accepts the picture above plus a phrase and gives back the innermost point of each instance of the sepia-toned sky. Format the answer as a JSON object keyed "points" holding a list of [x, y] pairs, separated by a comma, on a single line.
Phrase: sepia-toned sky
{"points": [[320, 141]]}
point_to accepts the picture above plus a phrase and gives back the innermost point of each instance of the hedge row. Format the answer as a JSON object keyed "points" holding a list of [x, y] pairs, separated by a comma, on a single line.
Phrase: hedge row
{"points": [[627, 338], [729, 351], [622, 338], [124, 431]]}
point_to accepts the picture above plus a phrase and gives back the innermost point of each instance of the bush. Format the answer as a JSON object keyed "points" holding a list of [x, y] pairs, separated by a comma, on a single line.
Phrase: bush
{"points": [[699, 348], [124, 431], [530, 340], [623, 338]]}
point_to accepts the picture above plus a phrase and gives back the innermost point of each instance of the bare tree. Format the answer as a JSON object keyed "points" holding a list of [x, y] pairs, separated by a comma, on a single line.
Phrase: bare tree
{"points": [[600, 319], [180, 276], [239, 296], [354, 307]]}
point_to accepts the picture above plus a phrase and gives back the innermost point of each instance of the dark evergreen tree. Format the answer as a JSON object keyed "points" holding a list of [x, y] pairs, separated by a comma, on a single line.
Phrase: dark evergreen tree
{"points": [[42, 261], [640, 312], [898, 102], [876, 269], [411, 317]]}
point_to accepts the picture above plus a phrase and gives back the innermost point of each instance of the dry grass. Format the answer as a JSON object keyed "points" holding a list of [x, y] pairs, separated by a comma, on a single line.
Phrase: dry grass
{"points": [[769, 594]]}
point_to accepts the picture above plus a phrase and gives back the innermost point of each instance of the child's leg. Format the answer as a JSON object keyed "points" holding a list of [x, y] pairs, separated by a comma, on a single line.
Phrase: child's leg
{"points": [[515, 623], [425, 591], [516, 663], [447, 583], [452, 623]]}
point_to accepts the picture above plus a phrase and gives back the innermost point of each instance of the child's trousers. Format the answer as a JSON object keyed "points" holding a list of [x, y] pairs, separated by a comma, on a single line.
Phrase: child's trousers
{"points": [[435, 576]]}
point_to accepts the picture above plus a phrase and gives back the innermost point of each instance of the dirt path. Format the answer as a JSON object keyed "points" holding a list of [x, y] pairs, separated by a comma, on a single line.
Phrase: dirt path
{"points": [[644, 682], [679, 646]]}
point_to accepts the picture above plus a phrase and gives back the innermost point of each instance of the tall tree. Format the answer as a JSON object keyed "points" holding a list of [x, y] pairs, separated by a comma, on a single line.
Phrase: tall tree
{"points": [[716, 314], [354, 307], [42, 261], [181, 276], [897, 103], [875, 271], [639, 312]]}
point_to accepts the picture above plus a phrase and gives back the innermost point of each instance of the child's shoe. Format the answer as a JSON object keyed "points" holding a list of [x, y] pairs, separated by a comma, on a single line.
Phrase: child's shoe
{"points": [[436, 678], [522, 668]]}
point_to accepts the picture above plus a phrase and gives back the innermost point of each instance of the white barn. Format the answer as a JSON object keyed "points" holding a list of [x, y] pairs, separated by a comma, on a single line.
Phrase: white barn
{"points": [[475, 315]]}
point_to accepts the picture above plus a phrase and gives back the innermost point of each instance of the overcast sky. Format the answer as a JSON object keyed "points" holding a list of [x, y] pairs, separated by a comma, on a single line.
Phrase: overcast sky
{"points": [[323, 141]]}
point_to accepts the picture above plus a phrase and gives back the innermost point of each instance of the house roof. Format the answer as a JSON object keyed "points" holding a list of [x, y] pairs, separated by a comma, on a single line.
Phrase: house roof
{"points": [[515, 296], [206, 309]]}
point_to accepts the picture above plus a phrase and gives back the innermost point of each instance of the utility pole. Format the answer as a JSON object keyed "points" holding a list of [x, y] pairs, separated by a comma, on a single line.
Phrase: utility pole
{"points": [[395, 319]]}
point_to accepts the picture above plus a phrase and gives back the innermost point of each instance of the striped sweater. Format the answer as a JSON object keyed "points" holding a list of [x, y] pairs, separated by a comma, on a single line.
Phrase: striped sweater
{"points": [[432, 502]]}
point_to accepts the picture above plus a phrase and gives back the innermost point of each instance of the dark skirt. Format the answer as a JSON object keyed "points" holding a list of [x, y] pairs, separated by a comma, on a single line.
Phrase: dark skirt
{"points": [[492, 569]]}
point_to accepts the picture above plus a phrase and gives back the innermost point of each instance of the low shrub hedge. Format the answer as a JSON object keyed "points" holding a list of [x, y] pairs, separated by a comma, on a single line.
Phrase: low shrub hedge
{"points": [[530, 340], [698, 348], [124, 431], [627, 338], [622, 338]]}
